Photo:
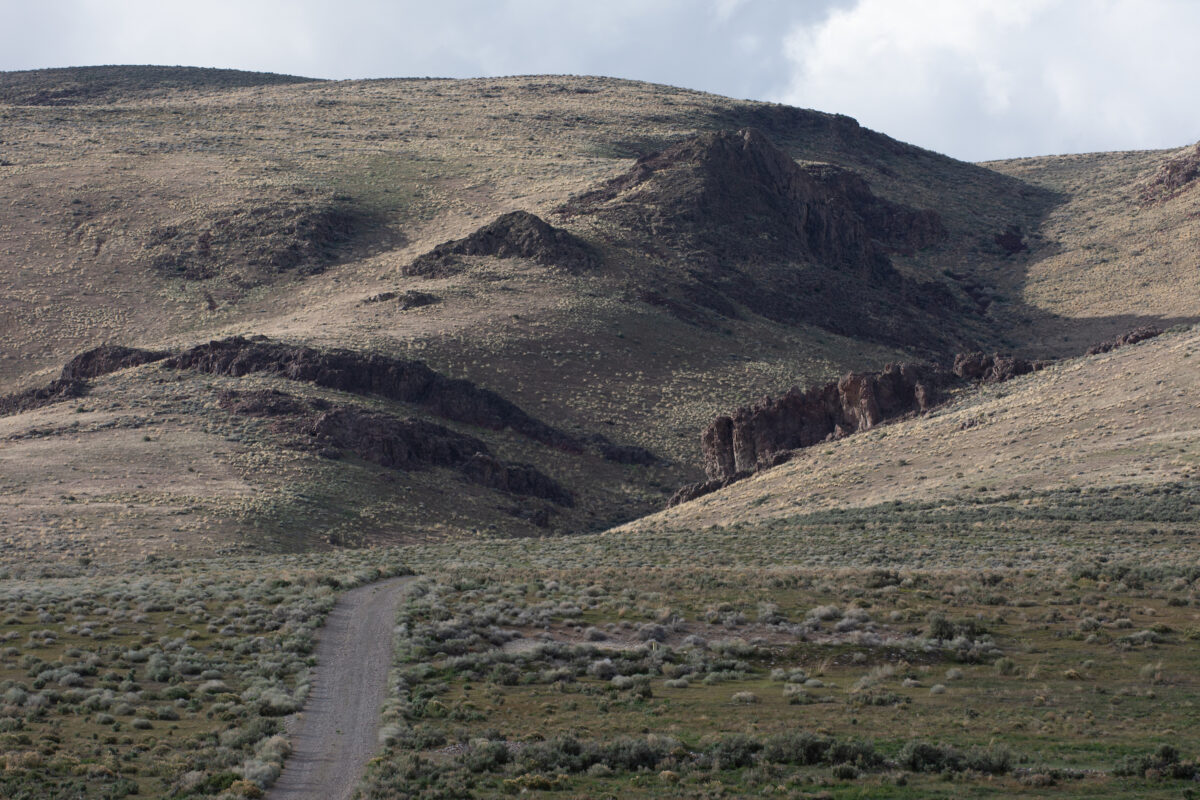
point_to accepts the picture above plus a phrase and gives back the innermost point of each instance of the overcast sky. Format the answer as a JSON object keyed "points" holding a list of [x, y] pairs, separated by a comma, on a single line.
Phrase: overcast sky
{"points": [[976, 79]]}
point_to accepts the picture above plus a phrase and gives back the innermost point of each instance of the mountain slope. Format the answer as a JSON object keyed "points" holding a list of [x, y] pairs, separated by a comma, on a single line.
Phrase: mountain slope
{"points": [[1121, 422], [620, 261]]}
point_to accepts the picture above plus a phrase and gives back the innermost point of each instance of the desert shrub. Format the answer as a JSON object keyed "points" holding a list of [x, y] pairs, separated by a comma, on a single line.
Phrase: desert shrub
{"points": [[485, 756], [996, 759], [734, 751], [1165, 760], [925, 757]]}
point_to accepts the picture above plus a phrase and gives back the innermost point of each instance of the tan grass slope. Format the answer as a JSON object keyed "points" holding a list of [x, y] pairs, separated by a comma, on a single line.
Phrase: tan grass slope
{"points": [[1098, 423]]}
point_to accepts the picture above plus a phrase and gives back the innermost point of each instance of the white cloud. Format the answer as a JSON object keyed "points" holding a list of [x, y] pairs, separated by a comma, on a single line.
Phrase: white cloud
{"points": [[996, 78]]}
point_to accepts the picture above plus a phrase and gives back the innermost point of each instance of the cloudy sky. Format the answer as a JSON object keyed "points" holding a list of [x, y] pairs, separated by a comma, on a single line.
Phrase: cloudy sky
{"points": [[976, 79]]}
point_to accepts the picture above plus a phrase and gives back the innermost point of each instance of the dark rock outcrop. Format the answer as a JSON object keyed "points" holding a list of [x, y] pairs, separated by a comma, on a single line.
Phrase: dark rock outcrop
{"points": [[622, 453], [262, 403], [752, 436], [1173, 177], [763, 435], [73, 381], [414, 299], [108, 358], [1132, 337], [368, 373], [406, 300], [401, 444], [994, 368], [739, 195], [693, 490], [517, 234], [301, 234], [1011, 240], [727, 223], [54, 392], [521, 479]]}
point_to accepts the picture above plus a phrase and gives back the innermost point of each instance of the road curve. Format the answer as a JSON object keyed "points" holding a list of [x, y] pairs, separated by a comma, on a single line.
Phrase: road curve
{"points": [[337, 732]]}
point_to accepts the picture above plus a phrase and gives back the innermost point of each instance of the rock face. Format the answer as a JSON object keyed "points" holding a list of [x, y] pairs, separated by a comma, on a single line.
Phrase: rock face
{"points": [[752, 436], [995, 368], [401, 444], [517, 234], [728, 221], [414, 299], [1173, 177], [1132, 337], [359, 373], [108, 358]]}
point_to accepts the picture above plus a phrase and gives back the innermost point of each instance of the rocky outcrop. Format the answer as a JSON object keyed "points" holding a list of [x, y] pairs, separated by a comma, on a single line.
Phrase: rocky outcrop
{"points": [[405, 300], [521, 479], [303, 233], [752, 436], [517, 234], [454, 399], [401, 444], [622, 453], [693, 490], [740, 195], [368, 373], [414, 299], [1173, 177], [263, 403], [1011, 240], [728, 223], [108, 358], [54, 392], [73, 381], [763, 435], [1132, 337], [994, 368]]}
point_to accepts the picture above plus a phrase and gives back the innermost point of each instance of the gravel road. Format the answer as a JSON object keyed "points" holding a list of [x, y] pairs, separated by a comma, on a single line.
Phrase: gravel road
{"points": [[336, 733]]}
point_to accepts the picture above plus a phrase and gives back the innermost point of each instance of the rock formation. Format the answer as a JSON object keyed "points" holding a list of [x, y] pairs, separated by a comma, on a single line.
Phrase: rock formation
{"points": [[763, 435], [108, 358], [728, 223], [401, 444], [517, 234], [1132, 337], [301, 233], [995, 368], [73, 381], [752, 436], [54, 392], [1173, 177], [358, 373]]}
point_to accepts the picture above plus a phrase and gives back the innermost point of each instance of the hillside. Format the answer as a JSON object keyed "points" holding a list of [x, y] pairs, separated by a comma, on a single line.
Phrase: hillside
{"points": [[620, 262], [1112, 436]]}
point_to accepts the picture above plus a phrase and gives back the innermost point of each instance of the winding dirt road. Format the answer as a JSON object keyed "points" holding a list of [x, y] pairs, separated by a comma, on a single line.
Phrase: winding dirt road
{"points": [[337, 731]]}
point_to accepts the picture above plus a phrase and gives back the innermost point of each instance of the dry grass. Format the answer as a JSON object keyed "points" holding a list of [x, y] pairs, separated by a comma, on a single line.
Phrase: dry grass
{"points": [[1102, 421]]}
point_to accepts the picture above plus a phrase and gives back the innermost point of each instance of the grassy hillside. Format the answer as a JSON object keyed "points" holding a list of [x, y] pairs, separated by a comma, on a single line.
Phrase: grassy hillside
{"points": [[1111, 429], [162, 208]]}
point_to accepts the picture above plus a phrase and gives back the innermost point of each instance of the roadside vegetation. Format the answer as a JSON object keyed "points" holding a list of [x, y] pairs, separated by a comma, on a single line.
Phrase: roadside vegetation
{"points": [[810, 660], [161, 679]]}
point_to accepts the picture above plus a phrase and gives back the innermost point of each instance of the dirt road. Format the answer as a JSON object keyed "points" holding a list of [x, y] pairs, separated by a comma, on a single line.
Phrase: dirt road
{"points": [[337, 731]]}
